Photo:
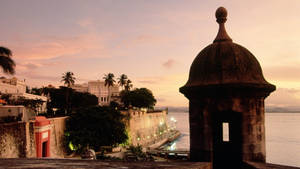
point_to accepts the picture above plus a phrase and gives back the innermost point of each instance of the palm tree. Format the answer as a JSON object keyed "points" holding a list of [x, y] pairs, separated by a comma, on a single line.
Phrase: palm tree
{"points": [[109, 81], [68, 79], [128, 85], [6, 62], [122, 80]]}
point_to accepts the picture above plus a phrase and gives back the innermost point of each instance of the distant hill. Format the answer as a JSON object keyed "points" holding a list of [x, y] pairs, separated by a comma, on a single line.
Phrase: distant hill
{"points": [[291, 109], [175, 109], [269, 109]]}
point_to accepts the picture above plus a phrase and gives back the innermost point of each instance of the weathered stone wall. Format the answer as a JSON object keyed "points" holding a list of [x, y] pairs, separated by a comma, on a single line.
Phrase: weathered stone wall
{"points": [[147, 128], [58, 126], [17, 139], [13, 140], [205, 112]]}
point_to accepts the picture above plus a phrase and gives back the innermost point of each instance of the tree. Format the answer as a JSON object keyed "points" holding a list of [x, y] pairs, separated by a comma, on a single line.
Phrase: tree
{"points": [[56, 99], [109, 81], [83, 129], [122, 80], [128, 85], [80, 99], [36, 91], [6, 62], [33, 104], [69, 80], [138, 98]]}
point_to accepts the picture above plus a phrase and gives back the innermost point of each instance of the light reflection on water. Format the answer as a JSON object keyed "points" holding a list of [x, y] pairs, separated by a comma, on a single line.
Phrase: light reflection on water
{"points": [[282, 137]]}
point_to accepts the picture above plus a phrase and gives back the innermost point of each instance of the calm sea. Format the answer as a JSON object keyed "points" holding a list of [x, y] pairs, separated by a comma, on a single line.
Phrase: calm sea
{"points": [[282, 136]]}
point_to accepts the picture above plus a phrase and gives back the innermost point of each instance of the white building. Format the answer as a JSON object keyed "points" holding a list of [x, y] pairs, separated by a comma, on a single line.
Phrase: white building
{"points": [[17, 88], [12, 85], [19, 112], [98, 88]]}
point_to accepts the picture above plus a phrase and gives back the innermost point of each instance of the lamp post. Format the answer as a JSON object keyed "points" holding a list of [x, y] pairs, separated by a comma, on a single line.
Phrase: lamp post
{"points": [[54, 110]]}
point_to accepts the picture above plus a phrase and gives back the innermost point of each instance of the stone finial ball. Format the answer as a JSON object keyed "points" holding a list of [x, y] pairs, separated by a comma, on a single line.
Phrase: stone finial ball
{"points": [[221, 14]]}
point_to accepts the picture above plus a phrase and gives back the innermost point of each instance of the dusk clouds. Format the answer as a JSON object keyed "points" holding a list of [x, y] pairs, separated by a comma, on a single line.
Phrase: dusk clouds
{"points": [[153, 42]]}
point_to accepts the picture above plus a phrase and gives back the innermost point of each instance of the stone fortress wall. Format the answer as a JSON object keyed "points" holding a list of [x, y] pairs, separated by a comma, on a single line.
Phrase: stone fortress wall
{"points": [[147, 127], [17, 139]]}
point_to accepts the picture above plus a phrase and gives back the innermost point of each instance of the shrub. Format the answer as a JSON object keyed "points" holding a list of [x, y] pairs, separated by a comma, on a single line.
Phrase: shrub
{"points": [[94, 127]]}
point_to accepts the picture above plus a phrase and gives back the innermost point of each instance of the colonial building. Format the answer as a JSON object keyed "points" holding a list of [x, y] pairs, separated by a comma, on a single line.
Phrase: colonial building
{"points": [[17, 88], [12, 85], [98, 88]]}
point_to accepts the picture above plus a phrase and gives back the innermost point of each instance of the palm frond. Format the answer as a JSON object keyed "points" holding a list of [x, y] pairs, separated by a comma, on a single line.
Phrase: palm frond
{"points": [[5, 51], [7, 64]]}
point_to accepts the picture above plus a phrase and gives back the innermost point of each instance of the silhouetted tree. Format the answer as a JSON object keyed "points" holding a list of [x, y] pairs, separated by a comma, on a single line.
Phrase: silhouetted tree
{"points": [[69, 80], [138, 98], [57, 100], [109, 81], [6, 62], [36, 91], [122, 80], [128, 85], [83, 129]]}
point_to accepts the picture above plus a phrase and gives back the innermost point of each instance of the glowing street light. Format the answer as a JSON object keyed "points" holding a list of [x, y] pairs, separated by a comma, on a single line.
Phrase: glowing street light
{"points": [[173, 120]]}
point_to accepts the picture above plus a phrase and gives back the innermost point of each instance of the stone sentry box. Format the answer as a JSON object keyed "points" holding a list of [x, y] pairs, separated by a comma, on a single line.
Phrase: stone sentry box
{"points": [[226, 91], [42, 129]]}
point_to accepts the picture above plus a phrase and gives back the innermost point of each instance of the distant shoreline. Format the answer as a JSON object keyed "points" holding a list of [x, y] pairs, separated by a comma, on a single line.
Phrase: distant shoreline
{"points": [[292, 109], [266, 112]]}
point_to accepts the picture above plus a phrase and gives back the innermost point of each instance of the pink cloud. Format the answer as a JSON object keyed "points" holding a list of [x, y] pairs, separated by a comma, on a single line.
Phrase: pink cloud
{"points": [[47, 47], [169, 63], [86, 23]]}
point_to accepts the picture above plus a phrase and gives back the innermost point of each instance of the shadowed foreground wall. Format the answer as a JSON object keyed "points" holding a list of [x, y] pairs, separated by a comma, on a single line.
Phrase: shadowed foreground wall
{"points": [[17, 139]]}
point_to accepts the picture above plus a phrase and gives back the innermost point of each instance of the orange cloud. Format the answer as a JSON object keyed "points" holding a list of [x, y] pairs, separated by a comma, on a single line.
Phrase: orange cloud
{"points": [[47, 47], [284, 97], [165, 88]]}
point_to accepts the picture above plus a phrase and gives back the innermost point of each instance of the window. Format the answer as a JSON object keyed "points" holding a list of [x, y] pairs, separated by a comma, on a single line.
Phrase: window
{"points": [[225, 132]]}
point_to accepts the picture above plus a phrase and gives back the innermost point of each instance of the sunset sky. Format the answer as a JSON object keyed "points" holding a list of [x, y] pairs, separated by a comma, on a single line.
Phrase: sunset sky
{"points": [[152, 41]]}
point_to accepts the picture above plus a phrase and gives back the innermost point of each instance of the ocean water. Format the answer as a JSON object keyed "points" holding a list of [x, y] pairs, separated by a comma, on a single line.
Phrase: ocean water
{"points": [[282, 136]]}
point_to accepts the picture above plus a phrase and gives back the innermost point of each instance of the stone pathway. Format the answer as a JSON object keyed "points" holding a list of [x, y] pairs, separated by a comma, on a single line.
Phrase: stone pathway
{"points": [[93, 164]]}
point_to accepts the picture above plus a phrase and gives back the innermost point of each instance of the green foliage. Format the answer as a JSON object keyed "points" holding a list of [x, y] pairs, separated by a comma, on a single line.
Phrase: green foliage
{"points": [[36, 91], [28, 103], [79, 99], [138, 98], [58, 100], [94, 127], [21, 100]]}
